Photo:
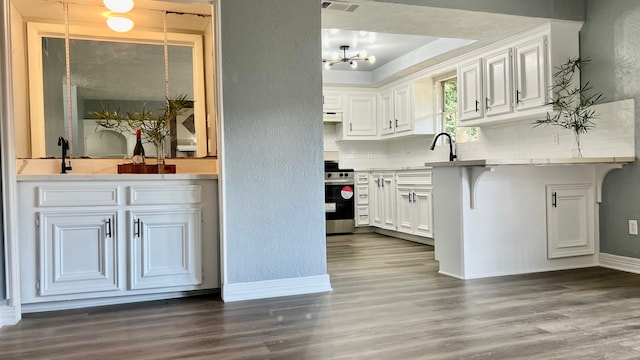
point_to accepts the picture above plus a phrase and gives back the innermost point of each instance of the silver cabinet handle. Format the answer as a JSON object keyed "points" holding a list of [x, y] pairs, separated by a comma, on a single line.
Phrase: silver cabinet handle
{"points": [[409, 198], [136, 225], [414, 197], [108, 232], [350, 126]]}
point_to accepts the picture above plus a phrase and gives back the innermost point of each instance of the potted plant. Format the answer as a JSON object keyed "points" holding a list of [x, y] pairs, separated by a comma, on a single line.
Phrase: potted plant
{"points": [[154, 127], [572, 102]]}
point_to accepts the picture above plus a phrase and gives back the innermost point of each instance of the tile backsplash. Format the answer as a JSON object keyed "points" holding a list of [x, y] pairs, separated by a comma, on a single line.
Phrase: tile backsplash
{"points": [[613, 136]]}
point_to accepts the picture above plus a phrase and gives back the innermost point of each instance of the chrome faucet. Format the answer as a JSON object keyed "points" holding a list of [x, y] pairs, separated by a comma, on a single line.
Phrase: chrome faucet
{"points": [[65, 147], [452, 156]]}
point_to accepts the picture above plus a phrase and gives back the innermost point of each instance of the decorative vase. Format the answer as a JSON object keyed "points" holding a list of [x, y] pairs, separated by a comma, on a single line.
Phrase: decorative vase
{"points": [[160, 152], [576, 151]]}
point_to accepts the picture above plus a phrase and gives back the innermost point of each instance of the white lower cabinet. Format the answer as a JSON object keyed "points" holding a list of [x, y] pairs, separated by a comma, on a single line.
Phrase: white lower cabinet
{"points": [[102, 240], [570, 220], [165, 248], [401, 201], [77, 252]]}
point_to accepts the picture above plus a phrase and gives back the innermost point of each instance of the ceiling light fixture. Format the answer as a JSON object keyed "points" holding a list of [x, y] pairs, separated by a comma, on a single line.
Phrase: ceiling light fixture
{"points": [[351, 60], [119, 6], [119, 23]]}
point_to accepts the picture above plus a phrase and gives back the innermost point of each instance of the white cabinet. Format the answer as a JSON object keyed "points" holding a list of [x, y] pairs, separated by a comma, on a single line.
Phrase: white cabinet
{"points": [[470, 91], [165, 248], [414, 203], [382, 200], [362, 199], [395, 110], [570, 220], [530, 68], [360, 116], [78, 252], [97, 240], [332, 101], [498, 84]]}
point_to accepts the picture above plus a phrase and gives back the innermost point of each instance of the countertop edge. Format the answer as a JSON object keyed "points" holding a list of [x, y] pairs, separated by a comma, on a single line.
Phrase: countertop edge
{"points": [[114, 177], [535, 162]]}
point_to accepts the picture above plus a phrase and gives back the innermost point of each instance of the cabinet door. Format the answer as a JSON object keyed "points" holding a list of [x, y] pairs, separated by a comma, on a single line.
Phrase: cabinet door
{"points": [[422, 204], [470, 91], [388, 202], [385, 113], [498, 80], [165, 248], [570, 220], [402, 106], [77, 252], [375, 200], [405, 207], [360, 119], [531, 84], [331, 100]]}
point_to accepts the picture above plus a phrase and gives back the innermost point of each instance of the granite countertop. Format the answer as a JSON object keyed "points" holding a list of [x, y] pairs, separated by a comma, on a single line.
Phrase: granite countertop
{"points": [[115, 177], [534, 162]]}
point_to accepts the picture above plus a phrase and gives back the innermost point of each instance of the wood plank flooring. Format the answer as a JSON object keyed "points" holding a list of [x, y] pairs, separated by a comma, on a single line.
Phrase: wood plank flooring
{"points": [[388, 302]]}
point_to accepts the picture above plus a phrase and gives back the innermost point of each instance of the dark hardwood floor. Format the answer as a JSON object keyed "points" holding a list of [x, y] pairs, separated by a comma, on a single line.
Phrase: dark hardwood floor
{"points": [[388, 303]]}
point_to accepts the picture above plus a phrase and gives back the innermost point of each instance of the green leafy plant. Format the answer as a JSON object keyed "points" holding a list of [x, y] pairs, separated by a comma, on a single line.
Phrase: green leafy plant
{"points": [[154, 126], [572, 102]]}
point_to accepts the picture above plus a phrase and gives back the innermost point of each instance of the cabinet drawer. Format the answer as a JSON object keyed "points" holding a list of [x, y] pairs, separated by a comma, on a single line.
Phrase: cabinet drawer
{"points": [[414, 178], [78, 195], [362, 216], [362, 178], [363, 194], [159, 195]]}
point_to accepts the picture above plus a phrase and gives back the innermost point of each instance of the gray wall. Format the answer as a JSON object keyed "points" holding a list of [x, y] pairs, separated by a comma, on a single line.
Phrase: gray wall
{"points": [[611, 39], [554, 9], [272, 140]]}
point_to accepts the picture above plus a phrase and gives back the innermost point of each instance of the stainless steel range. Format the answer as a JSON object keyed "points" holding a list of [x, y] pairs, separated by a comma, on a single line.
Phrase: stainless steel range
{"points": [[339, 198]]}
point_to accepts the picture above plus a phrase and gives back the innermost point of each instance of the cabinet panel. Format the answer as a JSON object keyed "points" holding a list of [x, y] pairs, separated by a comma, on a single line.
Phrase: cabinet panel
{"points": [[331, 100], [423, 205], [570, 220], [375, 200], [388, 203], [165, 248], [470, 90], [531, 85], [360, 119], [402, 106], [385, 113], [362, 192], [77, 252], [498, 80], [77, 196], [405, 214], [362, 215], [177, 194]]}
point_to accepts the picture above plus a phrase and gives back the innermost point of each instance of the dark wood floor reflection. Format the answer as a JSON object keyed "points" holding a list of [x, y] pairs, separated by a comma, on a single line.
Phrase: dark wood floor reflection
{"points": [[388, 303]]}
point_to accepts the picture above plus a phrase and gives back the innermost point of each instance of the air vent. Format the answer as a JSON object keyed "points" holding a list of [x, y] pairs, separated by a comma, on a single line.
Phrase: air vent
{"points": [[339, 6]]}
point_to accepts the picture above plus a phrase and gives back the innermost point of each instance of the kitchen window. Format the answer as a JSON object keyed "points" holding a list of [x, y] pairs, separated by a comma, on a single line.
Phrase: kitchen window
{"points": [[448, 111]]}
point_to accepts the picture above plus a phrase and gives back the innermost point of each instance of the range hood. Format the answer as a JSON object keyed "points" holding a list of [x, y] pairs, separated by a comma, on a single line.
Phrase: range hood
{"points": [[332, 117]]}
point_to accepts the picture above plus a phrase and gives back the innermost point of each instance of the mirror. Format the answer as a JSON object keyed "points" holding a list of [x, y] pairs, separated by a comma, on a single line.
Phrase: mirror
{"points": [[123, 72]]}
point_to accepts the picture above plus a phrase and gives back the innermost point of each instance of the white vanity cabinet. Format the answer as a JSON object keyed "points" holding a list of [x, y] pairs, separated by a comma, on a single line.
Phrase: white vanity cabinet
{"points": [[98, 241], [570, 220]]}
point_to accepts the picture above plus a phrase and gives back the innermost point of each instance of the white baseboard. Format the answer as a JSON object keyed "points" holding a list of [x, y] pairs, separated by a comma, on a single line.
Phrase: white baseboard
{"points": [[618, 262], [9, 315], [275, 288]]}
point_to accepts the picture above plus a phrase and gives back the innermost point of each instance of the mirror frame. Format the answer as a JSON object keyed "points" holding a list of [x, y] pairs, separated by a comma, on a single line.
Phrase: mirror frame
{"points": [[36, 31]]}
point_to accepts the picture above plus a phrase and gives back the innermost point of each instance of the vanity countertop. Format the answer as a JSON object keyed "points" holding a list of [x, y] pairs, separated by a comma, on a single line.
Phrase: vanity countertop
{"points": [[115, 177]]}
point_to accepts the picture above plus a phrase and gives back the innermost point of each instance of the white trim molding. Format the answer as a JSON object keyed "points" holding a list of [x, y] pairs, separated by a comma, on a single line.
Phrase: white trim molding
{"points": [[618, 262], [275, 288], [9, 315]]}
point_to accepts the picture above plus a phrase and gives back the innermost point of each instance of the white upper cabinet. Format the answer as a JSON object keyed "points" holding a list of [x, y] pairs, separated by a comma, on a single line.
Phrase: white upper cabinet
{"points": [[332, 101], [470, 91], [511, 80], [359, 122], [530, 81], [498, 85], [395, 109]]}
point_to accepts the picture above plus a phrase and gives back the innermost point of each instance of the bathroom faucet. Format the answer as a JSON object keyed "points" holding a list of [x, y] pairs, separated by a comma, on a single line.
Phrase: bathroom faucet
{"points": [[452, 156], [65, 147]]}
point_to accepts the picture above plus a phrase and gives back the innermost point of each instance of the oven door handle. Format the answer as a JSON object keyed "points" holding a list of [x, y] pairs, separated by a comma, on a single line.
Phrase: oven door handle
{"points": [[339, 182]]}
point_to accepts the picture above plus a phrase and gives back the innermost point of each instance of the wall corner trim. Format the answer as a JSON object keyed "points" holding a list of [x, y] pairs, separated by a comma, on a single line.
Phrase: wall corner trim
{"points": [[618, 262], [9, 315], [275, 288]]}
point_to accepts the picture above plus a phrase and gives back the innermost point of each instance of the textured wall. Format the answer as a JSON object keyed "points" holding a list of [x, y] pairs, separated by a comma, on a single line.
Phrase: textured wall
{"points": [[611, 39], [554, 9], [272, 140]]}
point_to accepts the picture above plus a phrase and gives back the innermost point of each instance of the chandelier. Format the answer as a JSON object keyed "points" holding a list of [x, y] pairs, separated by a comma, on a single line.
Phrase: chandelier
{"points": [[351, 60]]}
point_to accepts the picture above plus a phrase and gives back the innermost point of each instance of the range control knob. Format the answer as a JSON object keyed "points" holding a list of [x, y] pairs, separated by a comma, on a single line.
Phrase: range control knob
{"points": [[329, 175], [341, 174]]}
